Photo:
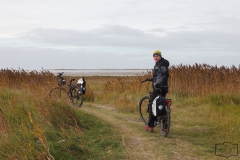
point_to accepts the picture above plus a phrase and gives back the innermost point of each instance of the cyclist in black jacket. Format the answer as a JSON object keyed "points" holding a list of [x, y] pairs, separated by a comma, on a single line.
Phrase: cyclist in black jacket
{"points": [[159, 84]]}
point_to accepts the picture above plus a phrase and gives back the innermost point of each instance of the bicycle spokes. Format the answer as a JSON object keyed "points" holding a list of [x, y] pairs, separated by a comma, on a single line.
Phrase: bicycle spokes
{"points": [[76, 96], [164, 124]]}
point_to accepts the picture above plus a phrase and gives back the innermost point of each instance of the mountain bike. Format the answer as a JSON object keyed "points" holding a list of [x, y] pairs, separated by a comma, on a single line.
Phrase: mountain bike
{"points": [[163, 122], [72, 92]]}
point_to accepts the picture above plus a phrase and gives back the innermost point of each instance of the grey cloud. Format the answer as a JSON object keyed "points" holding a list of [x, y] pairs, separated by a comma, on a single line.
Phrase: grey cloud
{"points": [[157, 30], [37, 58], [115, 35], [111, 35], [230, 24]]}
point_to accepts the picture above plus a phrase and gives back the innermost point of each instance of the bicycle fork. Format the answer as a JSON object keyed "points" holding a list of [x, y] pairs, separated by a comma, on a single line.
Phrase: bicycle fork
{"points": [[149, 105]]}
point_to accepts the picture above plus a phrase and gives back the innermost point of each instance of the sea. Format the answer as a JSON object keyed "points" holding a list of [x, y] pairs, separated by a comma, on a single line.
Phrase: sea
{"points": [[100, 72]]}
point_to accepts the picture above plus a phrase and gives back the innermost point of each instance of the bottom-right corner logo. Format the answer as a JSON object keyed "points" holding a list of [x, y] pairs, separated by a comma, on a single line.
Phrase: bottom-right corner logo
{"points": [[226, 149]]}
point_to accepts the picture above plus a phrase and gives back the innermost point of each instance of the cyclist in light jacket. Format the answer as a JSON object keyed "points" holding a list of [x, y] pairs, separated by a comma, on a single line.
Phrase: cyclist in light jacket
{"points": [[159, 84]]}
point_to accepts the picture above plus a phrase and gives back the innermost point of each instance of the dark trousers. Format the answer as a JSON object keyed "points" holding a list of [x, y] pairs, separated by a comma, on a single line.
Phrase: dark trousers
{"points": [[152, 118]]}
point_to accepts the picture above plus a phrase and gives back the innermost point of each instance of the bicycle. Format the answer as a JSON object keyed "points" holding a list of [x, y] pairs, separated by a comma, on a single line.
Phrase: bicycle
{"points": [[71, 93], [163, 122]]}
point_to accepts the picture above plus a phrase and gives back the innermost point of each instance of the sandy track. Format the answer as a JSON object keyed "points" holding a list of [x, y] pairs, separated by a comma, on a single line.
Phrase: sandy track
{"points": [[141, 144], [135, 142]]}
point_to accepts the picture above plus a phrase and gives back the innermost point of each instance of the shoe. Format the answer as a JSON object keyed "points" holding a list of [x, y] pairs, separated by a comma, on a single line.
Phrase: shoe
{"points": [[149, 129]]}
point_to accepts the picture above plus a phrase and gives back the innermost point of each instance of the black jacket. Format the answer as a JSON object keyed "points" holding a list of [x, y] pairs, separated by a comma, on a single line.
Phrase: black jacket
{"points": [[160, 75]]}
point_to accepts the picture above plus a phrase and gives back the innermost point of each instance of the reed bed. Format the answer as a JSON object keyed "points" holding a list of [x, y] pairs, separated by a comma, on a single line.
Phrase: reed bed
{"points": [[219, 84], [123, 92], [21, 79], [203, 80], [32, 126], [210, 93]]}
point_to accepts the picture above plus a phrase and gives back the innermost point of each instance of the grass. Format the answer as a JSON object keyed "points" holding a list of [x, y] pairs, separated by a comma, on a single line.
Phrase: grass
{"points": [[58, 132], [204, 125], [200, 120], [34, 127], [103, 140], [26, 132]]}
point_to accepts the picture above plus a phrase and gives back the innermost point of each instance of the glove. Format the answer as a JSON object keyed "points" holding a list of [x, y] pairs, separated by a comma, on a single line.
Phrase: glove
{"points": [[157, 85]]}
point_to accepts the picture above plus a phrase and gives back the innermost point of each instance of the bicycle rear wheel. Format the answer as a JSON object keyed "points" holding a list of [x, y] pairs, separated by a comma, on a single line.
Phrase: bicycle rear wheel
{"points": [[144, 109], [58, 93], [76, 96], [163, 122]]}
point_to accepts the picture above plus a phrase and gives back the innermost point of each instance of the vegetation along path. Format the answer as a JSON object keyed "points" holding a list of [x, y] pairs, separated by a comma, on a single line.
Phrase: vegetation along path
{"points": [[141, 144]]}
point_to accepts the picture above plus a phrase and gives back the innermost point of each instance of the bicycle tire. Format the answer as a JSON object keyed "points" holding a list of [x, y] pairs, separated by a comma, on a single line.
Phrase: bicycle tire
{"points": [[58, 93], [76, 96], [163, 123], [143, 109]]}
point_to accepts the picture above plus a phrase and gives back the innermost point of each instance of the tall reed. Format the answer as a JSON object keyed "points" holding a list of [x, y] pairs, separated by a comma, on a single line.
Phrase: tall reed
{"points": [[203, 79], [210, 93], [185, 81], [32, 126]]}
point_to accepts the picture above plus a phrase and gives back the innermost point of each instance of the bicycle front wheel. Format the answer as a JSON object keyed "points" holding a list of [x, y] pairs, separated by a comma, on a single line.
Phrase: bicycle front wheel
{"points": [[144, 109], [58, 93], [76, 96]]}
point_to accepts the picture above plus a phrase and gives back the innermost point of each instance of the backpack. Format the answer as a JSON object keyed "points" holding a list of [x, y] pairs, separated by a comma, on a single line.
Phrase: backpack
{"points": [[82, 84], [159, 106]]}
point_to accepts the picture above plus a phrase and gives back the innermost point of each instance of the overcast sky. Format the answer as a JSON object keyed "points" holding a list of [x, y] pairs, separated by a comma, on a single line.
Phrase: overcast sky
{"points": [[117, 34]]}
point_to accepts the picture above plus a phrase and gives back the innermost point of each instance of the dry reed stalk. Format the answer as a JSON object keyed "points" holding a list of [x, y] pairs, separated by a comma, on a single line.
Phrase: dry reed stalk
{"points": [[202, 80]]}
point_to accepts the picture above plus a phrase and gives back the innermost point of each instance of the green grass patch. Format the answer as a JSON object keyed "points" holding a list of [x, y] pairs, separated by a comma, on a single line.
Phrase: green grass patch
{"points": [[104, 142], [205, 122], [33, 127]]}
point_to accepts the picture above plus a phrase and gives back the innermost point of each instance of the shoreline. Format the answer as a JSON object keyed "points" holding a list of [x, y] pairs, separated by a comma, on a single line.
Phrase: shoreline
{"points": [[100, 72]]}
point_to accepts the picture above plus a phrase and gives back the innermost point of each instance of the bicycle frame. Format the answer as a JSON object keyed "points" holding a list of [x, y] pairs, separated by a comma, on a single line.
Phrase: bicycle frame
{"points": [[62, 82]]}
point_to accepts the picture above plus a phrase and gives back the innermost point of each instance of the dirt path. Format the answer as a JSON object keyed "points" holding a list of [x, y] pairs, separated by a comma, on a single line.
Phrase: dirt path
{"points": [[141, 144], [135, 143]]}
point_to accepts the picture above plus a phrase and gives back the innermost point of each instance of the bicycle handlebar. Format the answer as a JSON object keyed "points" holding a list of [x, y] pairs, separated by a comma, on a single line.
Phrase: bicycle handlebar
{"points": [[60, 75], [148, 79], [63, 81]]}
